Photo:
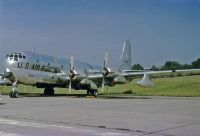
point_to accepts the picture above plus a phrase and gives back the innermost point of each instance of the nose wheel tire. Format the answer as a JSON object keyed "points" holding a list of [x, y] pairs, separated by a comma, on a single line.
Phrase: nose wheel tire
{"points": [[14, 95]]}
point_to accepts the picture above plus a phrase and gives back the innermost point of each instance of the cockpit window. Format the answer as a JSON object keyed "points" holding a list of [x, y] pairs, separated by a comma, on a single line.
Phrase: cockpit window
{"points": [[15, 56]]}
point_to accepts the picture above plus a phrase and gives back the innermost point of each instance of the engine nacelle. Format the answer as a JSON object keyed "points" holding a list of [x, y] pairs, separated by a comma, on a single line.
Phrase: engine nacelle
{"points": [[119, 80], [106, 71], [89, 83], [146, 81]]}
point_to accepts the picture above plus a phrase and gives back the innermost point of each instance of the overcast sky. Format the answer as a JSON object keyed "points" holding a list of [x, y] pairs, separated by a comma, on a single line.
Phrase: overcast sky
{"points": [[159, 30]]}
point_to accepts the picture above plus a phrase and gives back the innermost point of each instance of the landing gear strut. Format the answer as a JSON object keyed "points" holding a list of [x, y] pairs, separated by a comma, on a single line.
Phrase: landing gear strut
{"points": [[49, 91], [14, 93], [93, 92]]}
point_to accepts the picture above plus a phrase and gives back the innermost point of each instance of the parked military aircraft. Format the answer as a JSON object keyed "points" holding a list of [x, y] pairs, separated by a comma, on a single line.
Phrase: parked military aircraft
{"points": [[45, 71]]}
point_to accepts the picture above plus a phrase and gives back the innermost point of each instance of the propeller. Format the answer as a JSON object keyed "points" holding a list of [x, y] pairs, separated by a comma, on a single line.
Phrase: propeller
{"points": [[71, 72], [104, 71]]}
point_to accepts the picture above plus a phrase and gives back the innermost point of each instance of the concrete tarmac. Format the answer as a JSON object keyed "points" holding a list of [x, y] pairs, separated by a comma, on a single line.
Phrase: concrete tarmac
{"points": [[67, 116]]}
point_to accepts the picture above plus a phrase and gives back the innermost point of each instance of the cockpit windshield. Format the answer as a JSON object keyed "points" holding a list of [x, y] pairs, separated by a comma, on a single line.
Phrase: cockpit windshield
{"points": [[15, 56]]}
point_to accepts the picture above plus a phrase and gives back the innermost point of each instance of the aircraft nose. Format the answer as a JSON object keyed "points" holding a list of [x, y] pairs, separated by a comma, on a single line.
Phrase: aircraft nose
{"points": [[7, 73], [8, 62]]}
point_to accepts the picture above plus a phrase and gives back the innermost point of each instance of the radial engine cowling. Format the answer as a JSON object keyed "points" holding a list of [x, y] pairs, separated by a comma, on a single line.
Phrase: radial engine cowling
{"points": [[107, 71], [72, 73], [146, 81]]}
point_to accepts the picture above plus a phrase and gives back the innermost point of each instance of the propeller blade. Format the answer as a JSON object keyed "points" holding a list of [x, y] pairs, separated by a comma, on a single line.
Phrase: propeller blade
{"points": [[71, 63], [70, 86], [105, 64], [71, 67], [103, 84], [105, 60]]}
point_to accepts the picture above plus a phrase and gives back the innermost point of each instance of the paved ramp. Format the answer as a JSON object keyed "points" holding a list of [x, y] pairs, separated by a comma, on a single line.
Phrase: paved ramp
{"points": [[62, 116]]}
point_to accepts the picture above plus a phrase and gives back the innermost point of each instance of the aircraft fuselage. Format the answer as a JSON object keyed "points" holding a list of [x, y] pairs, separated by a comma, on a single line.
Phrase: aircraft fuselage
{"points": [[32, 68]]}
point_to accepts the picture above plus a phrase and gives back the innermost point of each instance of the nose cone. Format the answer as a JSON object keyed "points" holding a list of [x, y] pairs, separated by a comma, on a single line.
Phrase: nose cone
{"points": [[7, 73], [8, 63]]}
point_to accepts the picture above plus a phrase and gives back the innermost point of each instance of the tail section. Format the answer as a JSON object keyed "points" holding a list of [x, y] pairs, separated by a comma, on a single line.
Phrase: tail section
{"points": [[125, 59]]}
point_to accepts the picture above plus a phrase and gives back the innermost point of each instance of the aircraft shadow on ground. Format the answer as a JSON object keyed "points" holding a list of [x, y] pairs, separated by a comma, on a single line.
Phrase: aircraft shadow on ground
{"points": [[2, 103], [101, 96], [56, 95]]}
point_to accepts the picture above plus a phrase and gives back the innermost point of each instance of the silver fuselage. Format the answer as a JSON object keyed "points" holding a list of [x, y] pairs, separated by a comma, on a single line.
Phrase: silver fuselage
{"points": [[31, 68]]}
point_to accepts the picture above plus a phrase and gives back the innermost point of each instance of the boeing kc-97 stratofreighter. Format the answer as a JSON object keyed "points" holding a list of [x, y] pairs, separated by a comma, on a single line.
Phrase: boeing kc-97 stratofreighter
{"points": [[48, 72]]}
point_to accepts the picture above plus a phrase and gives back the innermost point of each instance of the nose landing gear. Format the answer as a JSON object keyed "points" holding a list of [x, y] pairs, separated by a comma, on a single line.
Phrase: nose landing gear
{"points": [[14, 93]]}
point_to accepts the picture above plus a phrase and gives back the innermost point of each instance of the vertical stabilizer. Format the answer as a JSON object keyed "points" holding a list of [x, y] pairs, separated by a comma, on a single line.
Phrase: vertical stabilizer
{"points": [[125, 59]]}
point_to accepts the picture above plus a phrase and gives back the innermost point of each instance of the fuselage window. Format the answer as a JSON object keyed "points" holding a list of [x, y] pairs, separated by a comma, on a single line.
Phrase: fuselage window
{"points": [[24, 57]]}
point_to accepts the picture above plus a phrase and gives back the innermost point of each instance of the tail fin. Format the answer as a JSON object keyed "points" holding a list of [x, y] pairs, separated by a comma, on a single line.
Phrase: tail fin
{"points": [[125, 59]]}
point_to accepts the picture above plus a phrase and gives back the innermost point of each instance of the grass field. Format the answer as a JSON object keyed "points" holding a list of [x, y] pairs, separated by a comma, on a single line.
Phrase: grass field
{"points": [[184, 86]]}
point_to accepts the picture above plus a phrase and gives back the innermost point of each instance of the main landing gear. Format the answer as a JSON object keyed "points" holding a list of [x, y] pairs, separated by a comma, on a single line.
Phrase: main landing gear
{"points": [[93, 92], [49, 91], [14, 93]]}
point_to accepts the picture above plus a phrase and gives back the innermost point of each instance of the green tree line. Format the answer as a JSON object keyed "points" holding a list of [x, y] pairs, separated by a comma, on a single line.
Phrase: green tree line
{"points": [[170, 65]]}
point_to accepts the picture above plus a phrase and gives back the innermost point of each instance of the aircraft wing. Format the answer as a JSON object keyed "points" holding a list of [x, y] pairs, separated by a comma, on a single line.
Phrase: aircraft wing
{"points": [[134, 73], [111, 79], [146, 81]]}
